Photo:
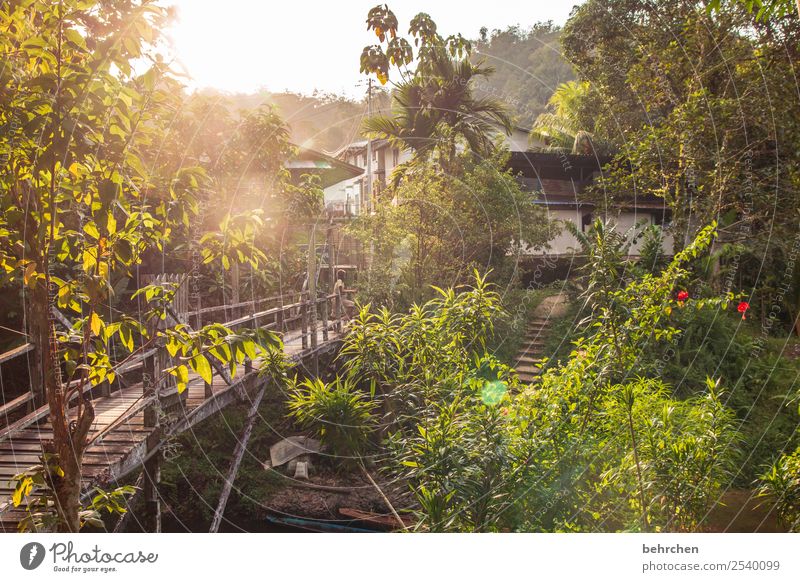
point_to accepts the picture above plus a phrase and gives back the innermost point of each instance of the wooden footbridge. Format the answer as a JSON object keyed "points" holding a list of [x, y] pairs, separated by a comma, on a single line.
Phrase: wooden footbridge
{"points": [[132, 423]]}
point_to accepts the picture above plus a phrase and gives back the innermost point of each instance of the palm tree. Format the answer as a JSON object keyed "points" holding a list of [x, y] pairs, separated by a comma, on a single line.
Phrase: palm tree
{"points": [[436, 108], [560, 128]]}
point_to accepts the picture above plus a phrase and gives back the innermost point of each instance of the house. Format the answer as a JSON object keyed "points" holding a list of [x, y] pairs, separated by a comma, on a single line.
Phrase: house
{"points": [[337, 177], [347, 198], [558, 180]]}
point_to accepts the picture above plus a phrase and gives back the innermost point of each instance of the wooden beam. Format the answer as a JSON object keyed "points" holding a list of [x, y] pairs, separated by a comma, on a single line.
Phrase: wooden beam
{"points": [[312, 285], [35, 416], [152, 500], [16, 403], [238, 453], [16, 352], [143, 450]]}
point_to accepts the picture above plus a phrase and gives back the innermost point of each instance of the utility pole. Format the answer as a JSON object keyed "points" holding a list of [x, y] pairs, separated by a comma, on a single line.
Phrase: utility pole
{"points": [[368, 197]]}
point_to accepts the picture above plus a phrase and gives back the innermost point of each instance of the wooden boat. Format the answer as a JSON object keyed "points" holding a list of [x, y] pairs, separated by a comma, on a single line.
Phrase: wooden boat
{"points": [[386, 522], [315, 525]]}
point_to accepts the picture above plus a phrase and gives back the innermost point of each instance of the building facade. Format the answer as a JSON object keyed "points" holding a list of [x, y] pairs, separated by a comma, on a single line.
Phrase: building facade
{"points": [[557, 181]]}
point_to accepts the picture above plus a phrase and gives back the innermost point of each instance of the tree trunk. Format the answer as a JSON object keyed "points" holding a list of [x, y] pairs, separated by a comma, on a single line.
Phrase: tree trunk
{"points": [[69, 439]]}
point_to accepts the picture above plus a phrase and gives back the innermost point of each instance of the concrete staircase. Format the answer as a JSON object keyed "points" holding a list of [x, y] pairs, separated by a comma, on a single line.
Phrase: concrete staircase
{"points": [[528, 361], [529, 357]]}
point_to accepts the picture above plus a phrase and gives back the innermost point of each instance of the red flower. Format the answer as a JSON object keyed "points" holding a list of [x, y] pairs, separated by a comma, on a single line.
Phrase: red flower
{"points": [[683, 295], [743, 307]]}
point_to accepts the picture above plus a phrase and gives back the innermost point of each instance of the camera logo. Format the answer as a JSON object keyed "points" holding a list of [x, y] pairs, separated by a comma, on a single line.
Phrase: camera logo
{"points": [[31, 555]]}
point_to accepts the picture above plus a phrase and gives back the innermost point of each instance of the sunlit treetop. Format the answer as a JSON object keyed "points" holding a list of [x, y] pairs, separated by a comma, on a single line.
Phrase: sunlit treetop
{"points": [[395, 51]]}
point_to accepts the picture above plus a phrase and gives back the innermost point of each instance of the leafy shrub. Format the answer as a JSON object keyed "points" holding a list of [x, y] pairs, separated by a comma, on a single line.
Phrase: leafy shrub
{"points": [[782, 484], [684, 451], [338, 413], [602, 460]]}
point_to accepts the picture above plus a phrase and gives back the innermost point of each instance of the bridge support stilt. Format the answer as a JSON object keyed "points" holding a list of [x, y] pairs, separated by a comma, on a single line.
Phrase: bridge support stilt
{"points": [[238, 453], [152, 501]]}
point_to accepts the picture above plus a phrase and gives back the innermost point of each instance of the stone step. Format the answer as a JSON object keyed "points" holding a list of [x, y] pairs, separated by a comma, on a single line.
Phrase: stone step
{"points": [[523, 359], [532, 346], [529, 370], [529, 378], [537, 328]]}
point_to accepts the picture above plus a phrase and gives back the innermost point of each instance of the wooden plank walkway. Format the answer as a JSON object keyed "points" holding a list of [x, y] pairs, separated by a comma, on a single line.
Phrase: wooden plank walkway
{"points": [[122, 448]]}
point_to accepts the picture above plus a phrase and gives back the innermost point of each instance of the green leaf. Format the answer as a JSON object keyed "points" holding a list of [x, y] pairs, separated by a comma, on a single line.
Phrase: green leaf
{"points": [[173, 346], [91, 229], [182, 376], [200, 365], [96, 324], [23, 489]]}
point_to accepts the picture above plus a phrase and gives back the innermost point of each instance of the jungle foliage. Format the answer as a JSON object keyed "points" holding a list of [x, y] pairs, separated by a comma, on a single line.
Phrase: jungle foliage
{"points": [[596, 446]]}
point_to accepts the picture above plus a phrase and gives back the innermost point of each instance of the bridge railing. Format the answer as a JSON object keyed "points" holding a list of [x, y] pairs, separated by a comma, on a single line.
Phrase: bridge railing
{"points": [[295, 318]]}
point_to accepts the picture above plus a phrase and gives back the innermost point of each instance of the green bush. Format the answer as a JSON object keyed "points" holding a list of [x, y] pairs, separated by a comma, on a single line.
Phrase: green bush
{"points": [[711, 342], [338, 413], [686, 452], [782, 485]]}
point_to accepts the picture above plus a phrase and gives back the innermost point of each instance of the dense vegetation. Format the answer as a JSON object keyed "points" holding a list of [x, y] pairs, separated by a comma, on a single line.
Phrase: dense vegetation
{"points": [[98, 181], [667, 389], [595, 447], [528, 67]]}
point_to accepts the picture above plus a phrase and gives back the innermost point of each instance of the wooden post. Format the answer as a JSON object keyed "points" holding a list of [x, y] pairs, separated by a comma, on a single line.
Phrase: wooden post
{"points": [[235, 313], [105, 388], [304, 320], [152, 467], [238, 453], [338, 309], [149, 390], [325, 319], [312, 284], [152, 501], [331, 257]]}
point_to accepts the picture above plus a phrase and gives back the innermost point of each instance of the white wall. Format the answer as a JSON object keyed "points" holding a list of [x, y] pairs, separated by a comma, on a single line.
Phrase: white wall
{"points": [[337, 196], [563, 243], [402, 157], [517, 141], [566, 244], [627, 220]]}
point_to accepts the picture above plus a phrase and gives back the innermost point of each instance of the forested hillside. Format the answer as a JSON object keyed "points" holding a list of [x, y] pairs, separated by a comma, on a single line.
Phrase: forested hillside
{"points": [[528, 67], [322, 121]]}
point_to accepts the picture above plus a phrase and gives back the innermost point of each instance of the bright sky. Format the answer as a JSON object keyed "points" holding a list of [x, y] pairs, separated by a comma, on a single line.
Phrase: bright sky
{"points": [[302, 45]]}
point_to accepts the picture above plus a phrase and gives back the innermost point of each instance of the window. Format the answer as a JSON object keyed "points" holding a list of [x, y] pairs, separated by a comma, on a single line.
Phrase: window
{"points": [[661, 218]]}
